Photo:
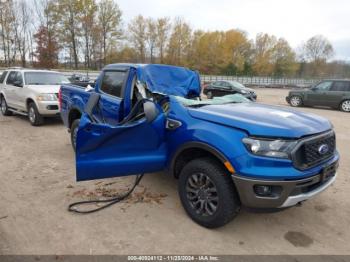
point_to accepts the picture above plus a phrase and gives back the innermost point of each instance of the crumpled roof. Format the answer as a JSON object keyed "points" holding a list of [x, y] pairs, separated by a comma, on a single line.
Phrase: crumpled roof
{"points": [[170, 80]]}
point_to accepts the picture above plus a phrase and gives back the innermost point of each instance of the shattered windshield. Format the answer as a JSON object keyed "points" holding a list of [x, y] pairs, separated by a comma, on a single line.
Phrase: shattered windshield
{"points": [[228, 99]]}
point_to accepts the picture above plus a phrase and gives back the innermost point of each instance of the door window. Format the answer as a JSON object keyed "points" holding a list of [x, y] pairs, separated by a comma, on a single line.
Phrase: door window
{"points": [[11, 78], [19, 78], [113, 82], [341, 86], [324, 86], [226, 85], [217, 84], [3, 76]]}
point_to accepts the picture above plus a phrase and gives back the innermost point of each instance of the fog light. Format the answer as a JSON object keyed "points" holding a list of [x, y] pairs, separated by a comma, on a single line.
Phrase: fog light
{"points": [[261, 190]]}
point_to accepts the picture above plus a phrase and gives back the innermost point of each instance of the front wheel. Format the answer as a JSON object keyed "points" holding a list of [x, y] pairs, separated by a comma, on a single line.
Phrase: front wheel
{"points": [[4, 108], [207, 193], [345, 106], [34, 116], [296, 101]]}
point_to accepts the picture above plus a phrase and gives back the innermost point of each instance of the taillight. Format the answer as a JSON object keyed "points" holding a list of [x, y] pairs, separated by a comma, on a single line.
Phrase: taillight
{"points": [[60, 98]]}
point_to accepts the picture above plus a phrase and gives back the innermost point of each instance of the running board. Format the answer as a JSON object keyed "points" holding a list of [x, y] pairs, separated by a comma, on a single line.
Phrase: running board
{"points": [[18, 112]]}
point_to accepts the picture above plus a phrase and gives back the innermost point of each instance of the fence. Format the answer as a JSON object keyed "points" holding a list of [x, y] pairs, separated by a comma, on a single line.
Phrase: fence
{"points": [[263, 81], [258, 81]]}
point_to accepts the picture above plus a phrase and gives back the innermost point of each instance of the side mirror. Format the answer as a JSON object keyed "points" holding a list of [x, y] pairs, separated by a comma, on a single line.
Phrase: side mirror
{"points": [[151, 111], [314, 89], [18, 83]]}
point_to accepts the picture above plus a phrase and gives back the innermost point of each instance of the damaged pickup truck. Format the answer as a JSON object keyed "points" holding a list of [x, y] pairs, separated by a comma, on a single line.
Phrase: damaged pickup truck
{"points": [[225, 152]]}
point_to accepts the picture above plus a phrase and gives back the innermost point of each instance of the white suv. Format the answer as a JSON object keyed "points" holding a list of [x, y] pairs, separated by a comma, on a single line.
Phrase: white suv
{"points": [[30, 92]]}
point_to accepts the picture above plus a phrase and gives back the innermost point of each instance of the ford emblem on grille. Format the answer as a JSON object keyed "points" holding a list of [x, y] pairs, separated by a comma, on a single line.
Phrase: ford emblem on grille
{"points": [[323, 149]]}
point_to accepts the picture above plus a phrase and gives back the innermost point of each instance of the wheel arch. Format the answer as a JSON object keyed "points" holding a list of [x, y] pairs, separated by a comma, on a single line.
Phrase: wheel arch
{"points": [[28, 101], [74, 114], [193, 150], [2, 94], [342, 100]]}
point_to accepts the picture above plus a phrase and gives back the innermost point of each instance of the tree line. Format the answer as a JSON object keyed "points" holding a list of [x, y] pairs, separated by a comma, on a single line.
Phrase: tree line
{"points": [[88, 34]]}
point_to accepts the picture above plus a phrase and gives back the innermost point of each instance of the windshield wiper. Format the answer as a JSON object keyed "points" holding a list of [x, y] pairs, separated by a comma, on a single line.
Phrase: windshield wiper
{"points": [[199, 105]]}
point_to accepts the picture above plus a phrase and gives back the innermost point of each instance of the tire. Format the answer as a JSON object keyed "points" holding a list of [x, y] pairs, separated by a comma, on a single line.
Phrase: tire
{"points": [[345, 106], [73, 133], [4, 108], [34, 117], [221, 202], [209, 95], [295, 101]]}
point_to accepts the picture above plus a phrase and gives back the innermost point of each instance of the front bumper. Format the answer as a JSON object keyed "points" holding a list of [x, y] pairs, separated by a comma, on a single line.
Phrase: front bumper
{"points": [[48, 108], [285, 193]]}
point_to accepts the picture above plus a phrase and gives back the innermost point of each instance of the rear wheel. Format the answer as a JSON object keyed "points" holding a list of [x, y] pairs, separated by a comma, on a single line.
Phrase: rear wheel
{"points": [[74, 133], [207, 193], [34, 117], [345, 106], [4, 108], [296, 101]]}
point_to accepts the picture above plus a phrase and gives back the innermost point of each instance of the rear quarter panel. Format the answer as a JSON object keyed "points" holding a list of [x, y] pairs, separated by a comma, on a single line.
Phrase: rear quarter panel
{"points": [[72, 97]]}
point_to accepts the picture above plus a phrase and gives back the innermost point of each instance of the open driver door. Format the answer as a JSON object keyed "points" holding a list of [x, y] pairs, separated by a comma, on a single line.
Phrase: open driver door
{"points": [[134, 146]]}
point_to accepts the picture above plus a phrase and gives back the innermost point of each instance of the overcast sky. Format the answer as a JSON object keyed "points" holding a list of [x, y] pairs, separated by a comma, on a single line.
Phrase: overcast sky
{"points": [[294, 20]]}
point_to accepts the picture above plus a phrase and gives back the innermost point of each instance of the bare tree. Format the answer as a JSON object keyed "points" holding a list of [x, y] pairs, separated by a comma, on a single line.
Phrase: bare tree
{"points": [[22, 29], [109, 18], [318, 48], [179, 42], [152, 37], [138, 36], [163, 28], [87, 20], [7, 23]]}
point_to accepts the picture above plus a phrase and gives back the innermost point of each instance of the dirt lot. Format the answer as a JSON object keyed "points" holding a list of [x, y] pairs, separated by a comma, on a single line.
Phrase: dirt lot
{"points": [[37, 170]]}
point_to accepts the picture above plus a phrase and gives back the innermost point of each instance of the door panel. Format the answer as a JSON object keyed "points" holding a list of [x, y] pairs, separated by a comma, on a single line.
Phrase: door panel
{"points": [[111, 151], [318, 95], [18, 93], [9, 89], [337, 92]]}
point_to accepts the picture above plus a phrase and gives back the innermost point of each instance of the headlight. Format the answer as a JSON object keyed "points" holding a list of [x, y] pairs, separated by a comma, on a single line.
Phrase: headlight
{"points": [[269, 148], [244, 92], [47, 97]]}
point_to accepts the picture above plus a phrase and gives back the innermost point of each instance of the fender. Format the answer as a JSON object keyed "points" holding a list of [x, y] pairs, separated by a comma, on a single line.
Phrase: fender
{"points": [[196, 145]]}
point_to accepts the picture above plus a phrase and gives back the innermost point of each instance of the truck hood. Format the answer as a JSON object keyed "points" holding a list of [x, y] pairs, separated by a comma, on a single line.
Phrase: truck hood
{"points": [[45, 89], [170, 80], [263, 120]]}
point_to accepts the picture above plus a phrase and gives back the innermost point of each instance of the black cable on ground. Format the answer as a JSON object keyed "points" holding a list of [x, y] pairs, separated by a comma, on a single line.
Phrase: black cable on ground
{"points": [[74, 206]]}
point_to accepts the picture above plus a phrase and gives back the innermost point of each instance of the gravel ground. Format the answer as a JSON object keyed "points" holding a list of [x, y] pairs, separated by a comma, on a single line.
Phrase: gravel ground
{"points": [[37, 170]]}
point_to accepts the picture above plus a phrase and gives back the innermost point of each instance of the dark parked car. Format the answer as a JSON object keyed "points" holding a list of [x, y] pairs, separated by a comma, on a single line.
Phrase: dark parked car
{"points": [[330, 93], [80, 80], [222, 88]]}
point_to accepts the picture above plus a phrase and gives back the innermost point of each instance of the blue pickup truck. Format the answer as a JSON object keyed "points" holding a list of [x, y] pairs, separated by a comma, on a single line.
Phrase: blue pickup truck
{"points": [[225, 152]]}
